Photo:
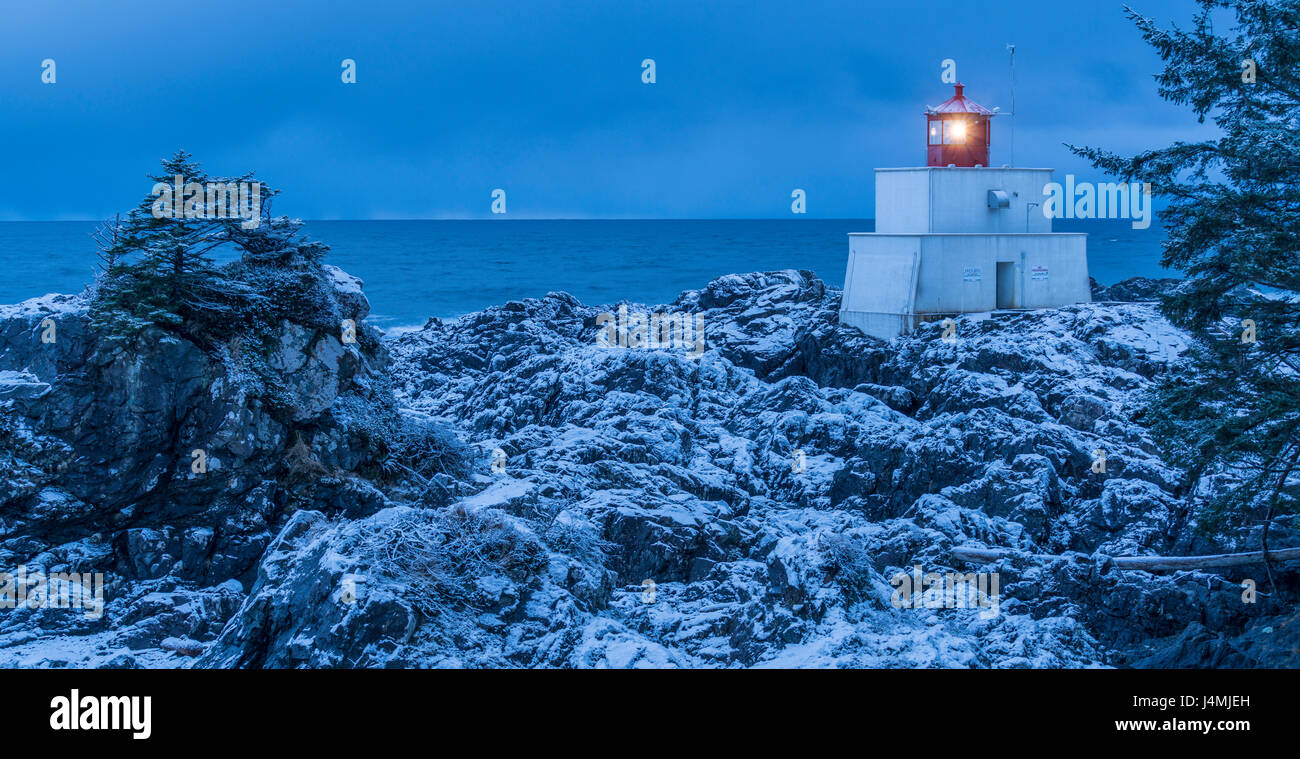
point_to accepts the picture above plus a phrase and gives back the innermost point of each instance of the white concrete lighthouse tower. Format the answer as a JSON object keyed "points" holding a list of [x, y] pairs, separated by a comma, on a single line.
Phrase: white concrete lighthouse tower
{"points": [[956, 236]]}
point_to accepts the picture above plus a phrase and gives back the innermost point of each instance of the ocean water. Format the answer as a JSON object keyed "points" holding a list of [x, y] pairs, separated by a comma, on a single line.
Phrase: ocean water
{"points": [[417, 269]]}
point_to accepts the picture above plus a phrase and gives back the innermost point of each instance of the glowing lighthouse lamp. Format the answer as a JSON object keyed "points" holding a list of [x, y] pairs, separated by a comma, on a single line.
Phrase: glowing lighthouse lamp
{"points": [[955, 236], [959, 132]]}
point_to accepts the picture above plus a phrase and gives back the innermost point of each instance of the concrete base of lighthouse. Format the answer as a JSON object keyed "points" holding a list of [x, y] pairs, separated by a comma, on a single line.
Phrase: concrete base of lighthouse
{"points": [[918, 265]]}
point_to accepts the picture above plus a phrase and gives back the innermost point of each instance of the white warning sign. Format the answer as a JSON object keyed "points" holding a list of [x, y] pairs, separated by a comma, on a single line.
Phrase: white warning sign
{"points": [[1038, 273], [972, 274]]}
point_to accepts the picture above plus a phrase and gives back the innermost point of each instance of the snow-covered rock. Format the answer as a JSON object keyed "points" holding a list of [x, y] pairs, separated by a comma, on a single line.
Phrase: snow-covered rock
{"points": [[98, 442], [752, 506]]}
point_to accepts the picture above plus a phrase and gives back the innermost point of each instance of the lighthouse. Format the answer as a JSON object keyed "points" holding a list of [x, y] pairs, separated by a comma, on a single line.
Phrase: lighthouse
{"points": [[956, 236], [958, 132]]}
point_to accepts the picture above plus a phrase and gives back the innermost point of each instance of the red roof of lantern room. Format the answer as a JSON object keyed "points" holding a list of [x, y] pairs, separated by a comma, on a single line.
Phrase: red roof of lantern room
{"points": [[959, 103]]}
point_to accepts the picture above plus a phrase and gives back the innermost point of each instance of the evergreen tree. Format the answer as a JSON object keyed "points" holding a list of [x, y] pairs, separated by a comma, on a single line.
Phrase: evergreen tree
{"points": [[1232, 408], [149, 264], [157, 265], [157, 273]]}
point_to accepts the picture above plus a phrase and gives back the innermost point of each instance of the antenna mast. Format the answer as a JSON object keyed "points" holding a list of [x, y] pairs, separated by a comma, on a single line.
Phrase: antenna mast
{"points": [[1012, 140]]}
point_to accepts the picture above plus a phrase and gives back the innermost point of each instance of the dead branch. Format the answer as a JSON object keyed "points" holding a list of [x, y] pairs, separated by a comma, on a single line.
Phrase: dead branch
{"points": [[1139, 563]]}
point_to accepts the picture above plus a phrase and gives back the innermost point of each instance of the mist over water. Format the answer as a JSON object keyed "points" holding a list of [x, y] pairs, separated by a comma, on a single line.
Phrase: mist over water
{"points": [[417, 269]]}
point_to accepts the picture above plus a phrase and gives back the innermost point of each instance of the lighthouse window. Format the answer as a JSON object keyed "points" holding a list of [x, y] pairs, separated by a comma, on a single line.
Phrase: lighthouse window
{"points": [[934, 133], [954, 132]]}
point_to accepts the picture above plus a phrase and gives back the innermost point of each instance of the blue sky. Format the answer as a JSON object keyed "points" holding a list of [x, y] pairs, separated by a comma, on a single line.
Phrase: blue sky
{"points": [[544, 99]]}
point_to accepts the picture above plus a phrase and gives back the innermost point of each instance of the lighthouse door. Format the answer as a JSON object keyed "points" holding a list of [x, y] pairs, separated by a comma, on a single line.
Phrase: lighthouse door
{"points": [[1006, 284]]}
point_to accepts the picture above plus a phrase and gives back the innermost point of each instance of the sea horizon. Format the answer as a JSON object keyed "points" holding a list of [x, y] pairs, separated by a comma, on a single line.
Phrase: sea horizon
{"points": [[417, 269]]}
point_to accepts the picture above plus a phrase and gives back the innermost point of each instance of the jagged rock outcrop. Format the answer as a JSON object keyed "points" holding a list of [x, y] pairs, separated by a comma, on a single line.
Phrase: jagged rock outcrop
{"points": [[1135, 289], [627, 507], [725, 554], [153, 459]]}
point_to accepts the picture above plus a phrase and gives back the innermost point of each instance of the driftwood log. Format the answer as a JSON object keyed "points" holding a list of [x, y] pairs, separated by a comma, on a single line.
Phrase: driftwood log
{"points": [[1143, 563]]}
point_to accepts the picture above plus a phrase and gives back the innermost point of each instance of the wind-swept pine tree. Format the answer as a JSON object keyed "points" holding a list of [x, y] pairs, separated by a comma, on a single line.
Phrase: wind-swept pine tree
{"points": [[157, 261], [149, 262], [157, 273], [1232, 409]]}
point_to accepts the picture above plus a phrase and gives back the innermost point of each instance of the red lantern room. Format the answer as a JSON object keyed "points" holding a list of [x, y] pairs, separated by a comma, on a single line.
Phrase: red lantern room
{"points": [[958, 132]]}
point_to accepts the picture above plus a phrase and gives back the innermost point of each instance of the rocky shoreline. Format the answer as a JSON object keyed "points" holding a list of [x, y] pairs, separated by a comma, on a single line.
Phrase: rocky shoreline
{"points": [[502, 490]]}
